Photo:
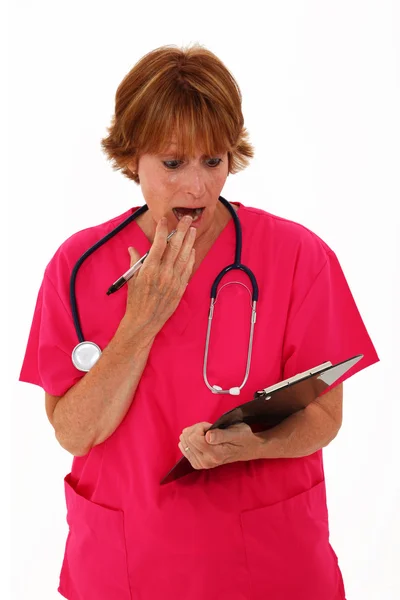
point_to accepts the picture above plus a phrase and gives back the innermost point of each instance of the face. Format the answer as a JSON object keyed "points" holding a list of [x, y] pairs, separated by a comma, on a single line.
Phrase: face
{"points": [[169, 183]]}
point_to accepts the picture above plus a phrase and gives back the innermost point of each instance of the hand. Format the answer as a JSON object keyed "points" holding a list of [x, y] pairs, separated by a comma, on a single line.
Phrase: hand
{"points": [[208, 449], [154, 292]]}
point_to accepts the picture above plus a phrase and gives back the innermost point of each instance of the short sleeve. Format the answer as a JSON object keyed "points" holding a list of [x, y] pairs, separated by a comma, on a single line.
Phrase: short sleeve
{"points": [[325, 325], [47, 362]]}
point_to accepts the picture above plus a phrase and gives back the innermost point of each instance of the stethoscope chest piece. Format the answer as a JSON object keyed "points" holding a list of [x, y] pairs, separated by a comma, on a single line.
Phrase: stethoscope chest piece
{"points": [[84, 355]]}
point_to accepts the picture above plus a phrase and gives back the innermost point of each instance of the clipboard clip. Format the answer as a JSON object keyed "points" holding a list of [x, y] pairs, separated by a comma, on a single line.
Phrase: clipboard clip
{"points": [[291, 380]]}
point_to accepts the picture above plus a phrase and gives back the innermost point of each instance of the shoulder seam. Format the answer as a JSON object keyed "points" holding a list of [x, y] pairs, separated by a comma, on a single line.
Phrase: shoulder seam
{"points": [[274, 217]]}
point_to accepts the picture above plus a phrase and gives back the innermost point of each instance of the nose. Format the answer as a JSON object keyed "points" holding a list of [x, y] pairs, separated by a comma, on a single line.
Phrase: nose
{"points": [[194, 181]]}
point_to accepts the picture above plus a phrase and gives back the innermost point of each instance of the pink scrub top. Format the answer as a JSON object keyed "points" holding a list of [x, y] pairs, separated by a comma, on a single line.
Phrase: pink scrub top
{"points": [[253, 530]]}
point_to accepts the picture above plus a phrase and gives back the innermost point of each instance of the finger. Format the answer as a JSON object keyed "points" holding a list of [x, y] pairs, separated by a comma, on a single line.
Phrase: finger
{"points": [[194, 442], [159, 243], [184, 449], [181, 243], [184, 254], [228, 435], [188, 270], [213, 457], [201, 427], [191, 456], [194, 436], [133, 255]]}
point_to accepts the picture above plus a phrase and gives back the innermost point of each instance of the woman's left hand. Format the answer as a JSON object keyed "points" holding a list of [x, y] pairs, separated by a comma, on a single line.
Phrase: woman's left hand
{"points": [[207, 449]]}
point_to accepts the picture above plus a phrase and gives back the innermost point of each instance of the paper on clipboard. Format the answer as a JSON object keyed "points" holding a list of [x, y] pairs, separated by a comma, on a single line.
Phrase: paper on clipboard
{"points": [[272, 405]]}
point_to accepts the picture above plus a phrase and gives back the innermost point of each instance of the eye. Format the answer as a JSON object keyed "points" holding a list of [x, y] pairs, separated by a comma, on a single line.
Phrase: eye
{"points": [[172, 164], [214, 162]]}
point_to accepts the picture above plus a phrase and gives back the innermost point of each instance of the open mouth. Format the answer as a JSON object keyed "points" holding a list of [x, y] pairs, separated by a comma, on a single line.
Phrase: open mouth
{"points": [[181, 211]]}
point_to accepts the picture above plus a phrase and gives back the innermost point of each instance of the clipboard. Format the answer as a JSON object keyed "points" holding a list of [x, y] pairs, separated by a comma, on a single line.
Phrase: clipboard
{"points": [[274, 404]]}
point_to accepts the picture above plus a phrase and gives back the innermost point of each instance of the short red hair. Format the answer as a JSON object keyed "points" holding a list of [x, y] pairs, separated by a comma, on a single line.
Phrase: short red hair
{"points": [[187, 94]]}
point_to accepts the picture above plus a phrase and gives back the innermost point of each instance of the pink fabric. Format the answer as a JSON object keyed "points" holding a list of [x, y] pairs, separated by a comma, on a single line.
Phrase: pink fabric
{"points": [[245, 531]]}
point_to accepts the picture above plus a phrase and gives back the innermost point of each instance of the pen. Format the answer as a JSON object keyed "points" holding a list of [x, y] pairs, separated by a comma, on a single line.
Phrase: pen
{"points": [[130, 272]]}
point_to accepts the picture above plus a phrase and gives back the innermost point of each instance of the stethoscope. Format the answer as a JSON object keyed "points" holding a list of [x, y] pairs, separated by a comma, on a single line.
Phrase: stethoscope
{"points": [[85, 354]]}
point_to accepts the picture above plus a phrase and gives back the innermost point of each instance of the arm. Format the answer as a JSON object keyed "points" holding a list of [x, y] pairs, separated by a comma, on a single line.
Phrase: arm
{"points": [[92, 409], [301, 434], [306, 431]]}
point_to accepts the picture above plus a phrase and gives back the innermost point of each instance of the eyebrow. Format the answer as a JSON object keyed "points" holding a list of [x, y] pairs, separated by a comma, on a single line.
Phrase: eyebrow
{"points": [[172, 152]]}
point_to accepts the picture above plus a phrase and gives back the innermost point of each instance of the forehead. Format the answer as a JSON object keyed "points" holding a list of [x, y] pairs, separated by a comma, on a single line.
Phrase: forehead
{"points": [[171, 147], [186, 139]]}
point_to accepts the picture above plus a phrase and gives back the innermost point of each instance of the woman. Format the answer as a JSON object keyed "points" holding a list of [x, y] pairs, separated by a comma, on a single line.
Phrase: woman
{"points": [[251, 521]]}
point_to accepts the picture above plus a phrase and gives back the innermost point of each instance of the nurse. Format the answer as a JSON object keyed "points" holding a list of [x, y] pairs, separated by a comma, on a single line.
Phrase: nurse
{"points": [[251, 521]]}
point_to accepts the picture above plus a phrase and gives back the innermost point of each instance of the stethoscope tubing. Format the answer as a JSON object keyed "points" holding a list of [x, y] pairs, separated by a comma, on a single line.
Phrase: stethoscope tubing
{"points": [[81, 260], [81, 352], [238, 257]]}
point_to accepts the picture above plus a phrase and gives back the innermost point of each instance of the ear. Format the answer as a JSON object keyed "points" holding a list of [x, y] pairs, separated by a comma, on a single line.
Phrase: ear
{"points": [[132, 165]]}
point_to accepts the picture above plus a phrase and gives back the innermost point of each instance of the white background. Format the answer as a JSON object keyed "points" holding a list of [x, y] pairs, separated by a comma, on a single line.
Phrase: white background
{"points": [[321, 98]]}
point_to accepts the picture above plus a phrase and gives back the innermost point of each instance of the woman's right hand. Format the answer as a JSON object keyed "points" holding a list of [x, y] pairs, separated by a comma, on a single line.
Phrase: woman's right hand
{"points": [[154, 292]]}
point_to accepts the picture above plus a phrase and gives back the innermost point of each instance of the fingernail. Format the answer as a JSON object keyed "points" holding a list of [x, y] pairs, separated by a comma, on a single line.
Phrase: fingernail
{"points": [[211, 438]]}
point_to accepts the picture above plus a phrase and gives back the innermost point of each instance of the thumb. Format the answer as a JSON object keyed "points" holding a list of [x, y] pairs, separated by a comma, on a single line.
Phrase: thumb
{"points": [[134, 255], [224, 436], [218, 436]]}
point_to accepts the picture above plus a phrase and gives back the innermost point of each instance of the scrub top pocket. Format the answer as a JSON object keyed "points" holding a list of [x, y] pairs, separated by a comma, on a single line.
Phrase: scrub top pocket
{"points": [[95, 564], [288, 551]]}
